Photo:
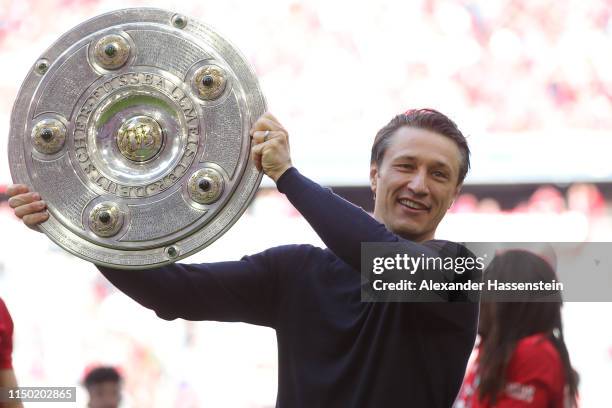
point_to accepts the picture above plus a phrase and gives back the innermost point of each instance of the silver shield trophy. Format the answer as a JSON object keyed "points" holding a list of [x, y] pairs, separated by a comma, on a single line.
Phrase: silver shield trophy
{"points": [[134, 127]]}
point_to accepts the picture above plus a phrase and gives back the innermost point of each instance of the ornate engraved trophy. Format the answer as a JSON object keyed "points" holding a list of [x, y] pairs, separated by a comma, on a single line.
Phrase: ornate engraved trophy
{"points": [[134, 127]]}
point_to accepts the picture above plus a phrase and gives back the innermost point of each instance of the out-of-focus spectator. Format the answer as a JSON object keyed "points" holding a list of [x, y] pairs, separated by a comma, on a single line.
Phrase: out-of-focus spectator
{"points": [[7, 375], [465, 203], [488, 206], [586, 199], [547, 199], [522, 359], [104, 387]]}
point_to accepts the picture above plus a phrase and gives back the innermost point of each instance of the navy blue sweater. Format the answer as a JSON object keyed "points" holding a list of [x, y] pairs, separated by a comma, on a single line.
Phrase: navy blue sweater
{"points": [[334, 350]]}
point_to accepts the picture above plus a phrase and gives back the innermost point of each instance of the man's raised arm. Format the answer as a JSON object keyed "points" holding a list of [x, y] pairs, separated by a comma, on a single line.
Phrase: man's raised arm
{"points": [[341, 225]]}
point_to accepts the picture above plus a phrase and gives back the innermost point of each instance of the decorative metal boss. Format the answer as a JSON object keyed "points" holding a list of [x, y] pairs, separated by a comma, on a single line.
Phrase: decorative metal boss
{"points": [[133, 127]]}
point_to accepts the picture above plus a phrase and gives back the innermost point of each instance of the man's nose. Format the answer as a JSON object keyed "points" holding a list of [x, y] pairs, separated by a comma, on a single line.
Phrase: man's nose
{"points": [[418, 183]]}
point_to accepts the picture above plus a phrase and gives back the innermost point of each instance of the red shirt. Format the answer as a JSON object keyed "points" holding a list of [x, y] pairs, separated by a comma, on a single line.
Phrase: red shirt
{"points": [[6, 337], [534, 379]]}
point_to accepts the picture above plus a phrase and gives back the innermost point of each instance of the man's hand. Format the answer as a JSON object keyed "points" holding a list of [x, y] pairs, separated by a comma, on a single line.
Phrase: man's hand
{"points": [[27, 205], [270, 146]]}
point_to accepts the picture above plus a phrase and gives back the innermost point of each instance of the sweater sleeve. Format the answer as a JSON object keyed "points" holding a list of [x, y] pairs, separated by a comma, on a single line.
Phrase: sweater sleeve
{"points": [[237, 291], [340, 224], [6, 337]]}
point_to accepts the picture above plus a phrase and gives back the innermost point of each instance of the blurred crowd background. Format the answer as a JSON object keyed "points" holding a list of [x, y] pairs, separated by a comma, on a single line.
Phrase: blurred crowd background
{"points": [[530, 82]]}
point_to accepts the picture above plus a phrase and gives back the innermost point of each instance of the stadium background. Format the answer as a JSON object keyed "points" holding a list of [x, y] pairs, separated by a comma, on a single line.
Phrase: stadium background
{"points": [[529, 82]]}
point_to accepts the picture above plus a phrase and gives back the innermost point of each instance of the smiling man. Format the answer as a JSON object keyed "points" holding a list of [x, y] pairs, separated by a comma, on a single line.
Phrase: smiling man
{"points": [[417, 167], [333, 349]]}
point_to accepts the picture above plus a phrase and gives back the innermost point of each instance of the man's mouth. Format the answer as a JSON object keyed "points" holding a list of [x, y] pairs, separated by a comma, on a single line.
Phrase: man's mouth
{"points": [[413, 205]]}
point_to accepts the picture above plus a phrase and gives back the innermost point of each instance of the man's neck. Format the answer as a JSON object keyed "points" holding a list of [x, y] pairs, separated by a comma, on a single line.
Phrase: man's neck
{"points": [[410, 237]]}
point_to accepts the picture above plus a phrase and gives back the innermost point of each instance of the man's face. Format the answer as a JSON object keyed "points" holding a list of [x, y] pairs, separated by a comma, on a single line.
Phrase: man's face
{"points": [[416, 182], [104, 395]]}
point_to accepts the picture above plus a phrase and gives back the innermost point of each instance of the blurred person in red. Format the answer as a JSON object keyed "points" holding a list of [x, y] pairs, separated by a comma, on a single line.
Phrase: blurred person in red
{"points": [[7, 375], [104, 387], [586, 199], [547, 199], [522, 360]]}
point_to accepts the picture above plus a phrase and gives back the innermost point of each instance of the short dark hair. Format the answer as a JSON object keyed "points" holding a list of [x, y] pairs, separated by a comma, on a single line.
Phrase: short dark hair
{"points": [[101, 375], [428, 119]]}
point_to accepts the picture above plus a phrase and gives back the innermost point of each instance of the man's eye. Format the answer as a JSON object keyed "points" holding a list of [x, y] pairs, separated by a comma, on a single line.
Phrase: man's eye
{"points": [[407, 166], [440, 174]]}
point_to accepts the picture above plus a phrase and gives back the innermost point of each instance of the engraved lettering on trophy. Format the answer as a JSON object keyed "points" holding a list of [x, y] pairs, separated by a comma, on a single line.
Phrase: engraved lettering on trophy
{"points": [[190, 114], [140, 138], [152, 188], [108, 86], [160, 83], [82, 157], [177, 93], [123, 191], [193, 131], [81, 122], [96, 93], [180, 169], [90, 168], [112, 187]]}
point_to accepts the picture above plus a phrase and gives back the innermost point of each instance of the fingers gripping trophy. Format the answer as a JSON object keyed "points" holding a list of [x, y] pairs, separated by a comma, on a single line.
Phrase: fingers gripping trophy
{"points": [[135, 128]]}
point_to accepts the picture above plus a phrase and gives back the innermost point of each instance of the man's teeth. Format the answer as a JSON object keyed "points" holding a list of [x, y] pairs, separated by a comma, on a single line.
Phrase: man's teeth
{"points": [[413, 205]]}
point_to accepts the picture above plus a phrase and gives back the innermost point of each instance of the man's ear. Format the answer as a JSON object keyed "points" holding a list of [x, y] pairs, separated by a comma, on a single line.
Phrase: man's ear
{"points": [[373, 177], [457, 192]]}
